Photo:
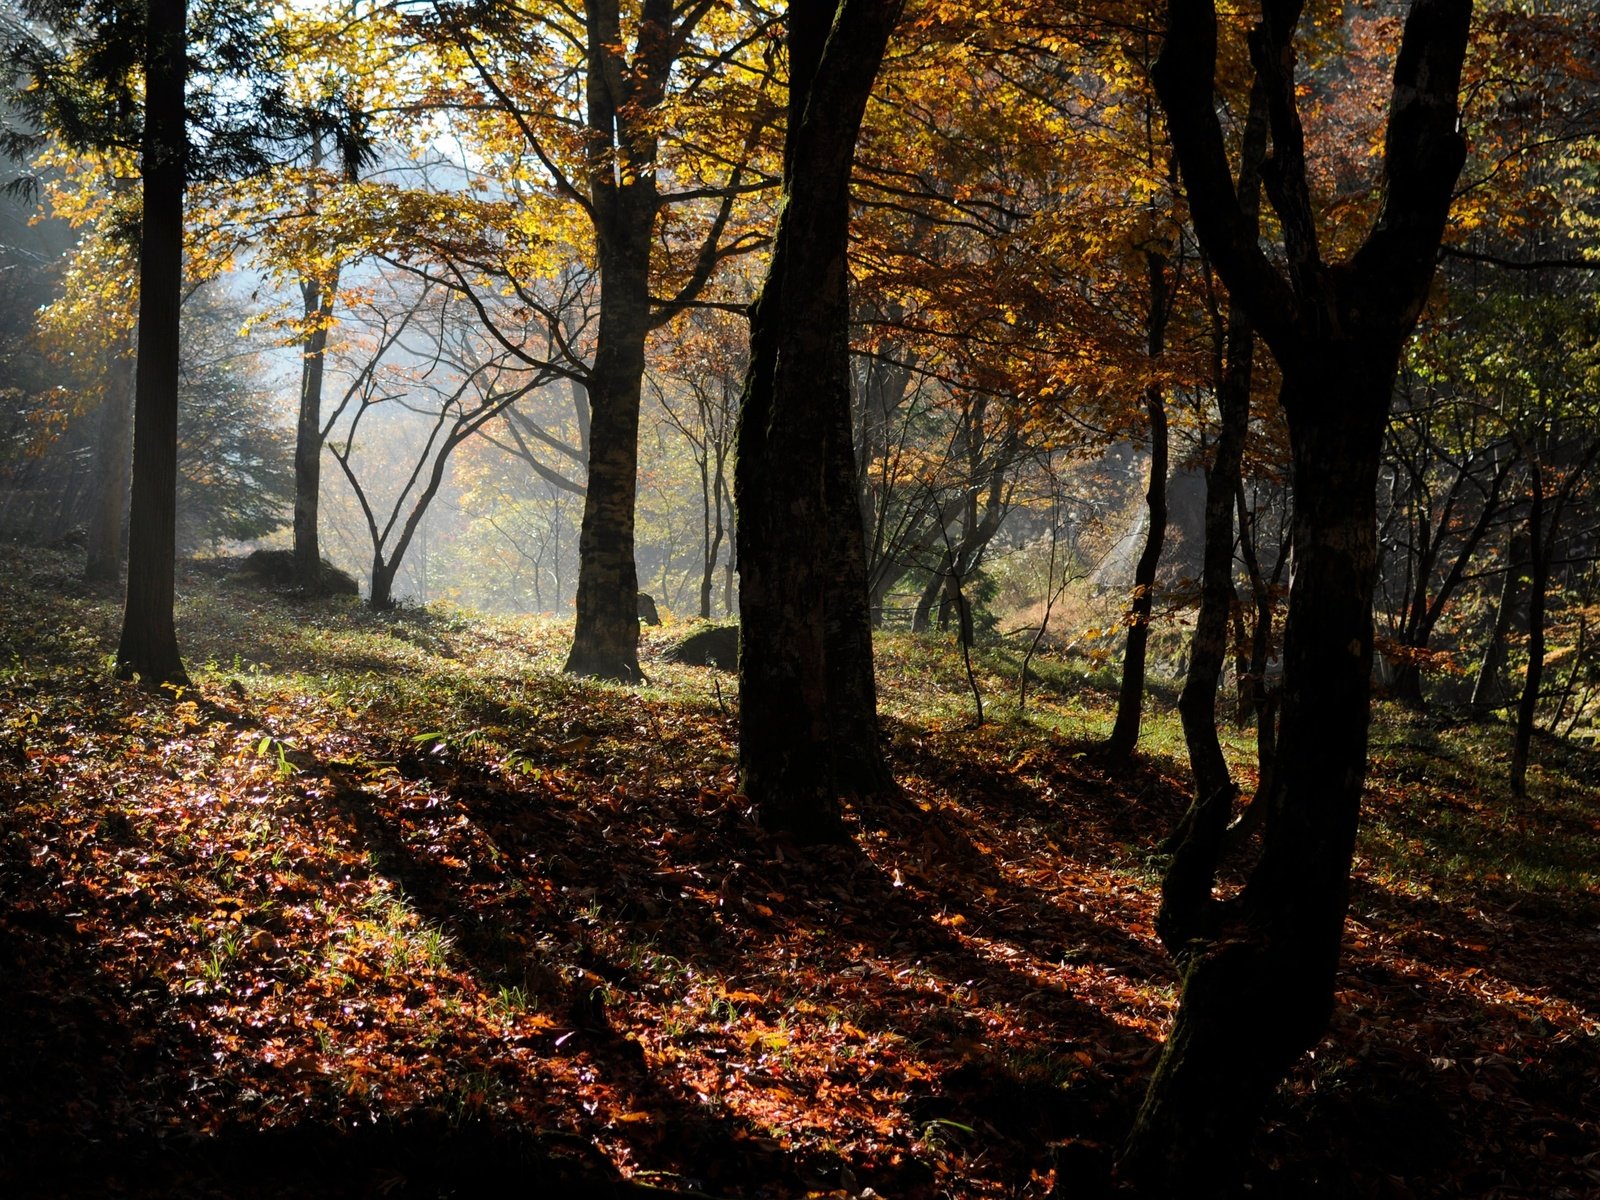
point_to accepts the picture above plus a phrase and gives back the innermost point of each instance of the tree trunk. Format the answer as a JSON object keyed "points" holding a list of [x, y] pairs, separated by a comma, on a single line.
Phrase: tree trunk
{"points": [[1258, 973], [713, 497], [808, 718], [621, 99], [148, 648], [380, 592], [708, 541], [1488, 691], [1198, 842], [605, 641], [1542, 545], [113, 453], [1258, 990], [308, 437], [922, 616], [1130, 698]]}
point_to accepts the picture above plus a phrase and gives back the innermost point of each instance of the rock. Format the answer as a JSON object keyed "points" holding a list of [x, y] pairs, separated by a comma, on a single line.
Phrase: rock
{"points": [[276, 568], [647, 609], [708, 646]]}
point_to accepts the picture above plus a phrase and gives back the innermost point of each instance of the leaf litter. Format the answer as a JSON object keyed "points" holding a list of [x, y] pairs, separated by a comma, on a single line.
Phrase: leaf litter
{"points": [[387, 899]]}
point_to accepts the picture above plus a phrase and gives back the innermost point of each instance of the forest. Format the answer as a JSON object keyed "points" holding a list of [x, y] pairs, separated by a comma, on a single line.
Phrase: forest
{"points": [[830, 599]]}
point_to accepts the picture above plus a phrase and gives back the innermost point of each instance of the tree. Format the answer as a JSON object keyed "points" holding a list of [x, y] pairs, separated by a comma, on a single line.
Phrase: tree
{"points": [[148, 648], [626, 136], [808, 702], [1130, 696], [1258, 975], [1234, 357], [427, 356], [707, 366], [121, 83]]}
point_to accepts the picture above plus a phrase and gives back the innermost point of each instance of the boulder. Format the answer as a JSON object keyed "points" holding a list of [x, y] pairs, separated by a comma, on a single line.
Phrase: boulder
{"points": [[276, 569], [707, 646]]}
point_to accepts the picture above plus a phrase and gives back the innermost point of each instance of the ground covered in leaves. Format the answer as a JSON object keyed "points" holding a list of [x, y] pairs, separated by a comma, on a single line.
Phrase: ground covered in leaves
{"points": [[386, 905]]}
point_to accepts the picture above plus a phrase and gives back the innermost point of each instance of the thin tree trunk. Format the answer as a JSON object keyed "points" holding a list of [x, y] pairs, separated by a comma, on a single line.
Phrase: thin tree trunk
{"points": [[709, 541], [1130, 698], [922, 616], [308, 437], [1208, 648], [1488, 691], [1197, 843], [1543, 545], [148, 648]]}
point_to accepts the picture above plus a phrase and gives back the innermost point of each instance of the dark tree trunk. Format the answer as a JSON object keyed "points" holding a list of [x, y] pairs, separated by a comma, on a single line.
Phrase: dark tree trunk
{"points": [[308, 437], [380, 593], [1208, 648], [922, 615], [1488, 691], [1258, 974], [1198, 840], [113, 453], [622, 102], [1130, 697], [148, 648], [1533, 676], [713, 491], [1258, 982], [708, 541], [605, 641], [808, 704]]}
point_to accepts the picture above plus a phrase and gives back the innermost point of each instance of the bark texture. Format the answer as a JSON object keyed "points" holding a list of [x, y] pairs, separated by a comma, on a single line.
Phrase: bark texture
{"points": [[1258, 974], [148, 647], [808, 702]]}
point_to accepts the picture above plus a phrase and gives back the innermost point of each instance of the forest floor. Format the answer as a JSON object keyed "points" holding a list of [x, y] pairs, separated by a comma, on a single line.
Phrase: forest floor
{"points": [[386, 905]]}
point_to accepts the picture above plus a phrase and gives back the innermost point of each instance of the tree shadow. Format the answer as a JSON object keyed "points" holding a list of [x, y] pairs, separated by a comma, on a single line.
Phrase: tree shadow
{"points": [[698, 884]]}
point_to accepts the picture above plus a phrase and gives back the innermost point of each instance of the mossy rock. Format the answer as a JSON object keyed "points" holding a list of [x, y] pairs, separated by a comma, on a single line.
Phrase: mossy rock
{"points": [[707, 646], [275, 568]]}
